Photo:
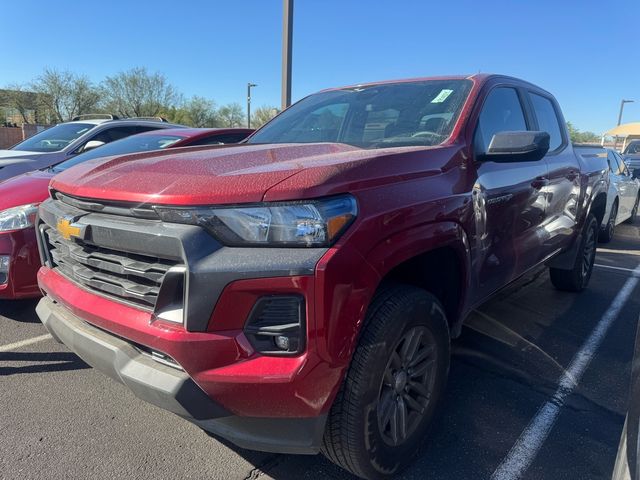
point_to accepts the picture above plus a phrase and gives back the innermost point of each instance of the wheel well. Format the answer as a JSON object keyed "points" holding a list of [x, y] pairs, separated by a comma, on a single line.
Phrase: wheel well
{"points": [[439, 272], [598, 207]]}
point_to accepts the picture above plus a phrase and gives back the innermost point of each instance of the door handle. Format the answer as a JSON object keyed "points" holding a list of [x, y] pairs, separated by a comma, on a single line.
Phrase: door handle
{"points": [[540, 182]]}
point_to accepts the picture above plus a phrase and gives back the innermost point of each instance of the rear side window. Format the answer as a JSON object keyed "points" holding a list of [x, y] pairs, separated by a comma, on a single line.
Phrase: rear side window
{"points": [[501, 112], [547, 120]]}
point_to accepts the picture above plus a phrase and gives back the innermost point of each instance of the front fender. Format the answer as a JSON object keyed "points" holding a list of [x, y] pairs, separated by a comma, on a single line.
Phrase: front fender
{"points": [[346, 281]]}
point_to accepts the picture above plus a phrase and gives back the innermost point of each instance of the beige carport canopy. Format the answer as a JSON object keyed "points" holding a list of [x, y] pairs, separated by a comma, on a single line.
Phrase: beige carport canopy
{"points": [[625, 130]]}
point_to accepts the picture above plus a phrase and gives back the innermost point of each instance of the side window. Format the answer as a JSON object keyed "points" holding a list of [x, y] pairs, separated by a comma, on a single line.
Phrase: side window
{"points": [[547, 120], [116, 133], [501, 112], [145, 128], [220, 139]]}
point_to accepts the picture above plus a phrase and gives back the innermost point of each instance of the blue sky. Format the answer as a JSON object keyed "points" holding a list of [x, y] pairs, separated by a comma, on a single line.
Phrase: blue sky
{"points": [[585, 52]]}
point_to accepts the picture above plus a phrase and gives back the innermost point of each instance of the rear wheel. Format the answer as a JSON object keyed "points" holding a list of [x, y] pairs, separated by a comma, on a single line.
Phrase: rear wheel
{"points": [[396, 378], [634, 211], [576, 279], [606, 234]]}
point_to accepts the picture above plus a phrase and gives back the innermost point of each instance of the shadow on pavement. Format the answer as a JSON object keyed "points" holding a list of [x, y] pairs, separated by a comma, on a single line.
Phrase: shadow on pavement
{"points": [[47, 362], [20, 310]]}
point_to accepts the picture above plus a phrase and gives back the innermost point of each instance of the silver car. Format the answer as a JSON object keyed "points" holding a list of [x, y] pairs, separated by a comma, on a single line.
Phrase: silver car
{"points": [[623, 196], [65, 140]]}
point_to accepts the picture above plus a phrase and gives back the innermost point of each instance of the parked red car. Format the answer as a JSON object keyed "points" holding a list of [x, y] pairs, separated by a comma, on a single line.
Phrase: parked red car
{"points": [[298, 293], [20, 196]]}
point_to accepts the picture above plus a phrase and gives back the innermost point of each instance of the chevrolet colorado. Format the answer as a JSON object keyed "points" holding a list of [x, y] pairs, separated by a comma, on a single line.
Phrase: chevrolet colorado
{"points": [[298, 293]]}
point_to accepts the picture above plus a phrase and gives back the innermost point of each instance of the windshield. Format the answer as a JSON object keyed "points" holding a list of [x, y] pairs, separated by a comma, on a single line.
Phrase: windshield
{"points": [[378, 116], [55, 138], [133, 144]]}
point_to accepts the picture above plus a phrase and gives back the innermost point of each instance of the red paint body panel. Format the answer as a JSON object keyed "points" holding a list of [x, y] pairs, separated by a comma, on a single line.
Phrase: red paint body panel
{"points": [[411, 201]]}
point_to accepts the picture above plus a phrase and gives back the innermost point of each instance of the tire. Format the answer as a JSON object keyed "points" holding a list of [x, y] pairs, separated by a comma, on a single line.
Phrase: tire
{"points": [[606, 234], [382, 387], [576, 279], [634, 212]]}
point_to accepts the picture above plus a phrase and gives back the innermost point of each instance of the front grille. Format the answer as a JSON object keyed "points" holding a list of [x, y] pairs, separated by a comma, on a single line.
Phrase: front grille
{"points": [[129, 277]]}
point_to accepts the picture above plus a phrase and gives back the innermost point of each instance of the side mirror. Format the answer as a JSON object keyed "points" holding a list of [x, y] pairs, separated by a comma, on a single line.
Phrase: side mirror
{"points": [[91, 144], [635, 174], [517, 147]]}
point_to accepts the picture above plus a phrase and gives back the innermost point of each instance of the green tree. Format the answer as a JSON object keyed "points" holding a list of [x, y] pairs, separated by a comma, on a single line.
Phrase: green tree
{"points": [[17, 97], [201, 112], [578, 136], [231, 115], [176, 114], [64, 94], [262, 115], [138, 93]]}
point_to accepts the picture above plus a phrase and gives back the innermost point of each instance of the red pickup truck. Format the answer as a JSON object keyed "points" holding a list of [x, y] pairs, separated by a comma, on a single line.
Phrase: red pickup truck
{"points": [[298, 293]]}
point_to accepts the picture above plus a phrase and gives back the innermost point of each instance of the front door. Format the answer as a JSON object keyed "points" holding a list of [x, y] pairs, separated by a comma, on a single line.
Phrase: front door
{"points": [[509, 198]]}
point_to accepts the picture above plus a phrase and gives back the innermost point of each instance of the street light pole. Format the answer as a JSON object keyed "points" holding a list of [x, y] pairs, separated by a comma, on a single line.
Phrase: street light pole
{"points": [[249, 85], [287, 44], [622, 108]]}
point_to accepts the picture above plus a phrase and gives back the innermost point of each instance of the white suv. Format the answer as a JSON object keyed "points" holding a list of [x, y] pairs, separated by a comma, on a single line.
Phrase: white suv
{"points": [[65, 140]]}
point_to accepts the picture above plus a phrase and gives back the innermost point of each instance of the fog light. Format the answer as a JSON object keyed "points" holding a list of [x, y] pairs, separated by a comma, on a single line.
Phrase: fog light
{"points": [[4, 269], [276, 325], [282, 342]]}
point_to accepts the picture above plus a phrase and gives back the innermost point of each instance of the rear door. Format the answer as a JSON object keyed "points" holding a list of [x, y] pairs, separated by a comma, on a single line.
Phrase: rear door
{"points": [[563, 190], [509, 197]]}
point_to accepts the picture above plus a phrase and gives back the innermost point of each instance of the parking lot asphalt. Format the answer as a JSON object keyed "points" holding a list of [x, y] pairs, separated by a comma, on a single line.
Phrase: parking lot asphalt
{"points": [[61, 419]]}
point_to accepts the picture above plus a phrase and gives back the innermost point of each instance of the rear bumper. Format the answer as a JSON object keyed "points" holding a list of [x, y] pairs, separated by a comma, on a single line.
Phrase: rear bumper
{"points": [[174, 390], [24, 261]]}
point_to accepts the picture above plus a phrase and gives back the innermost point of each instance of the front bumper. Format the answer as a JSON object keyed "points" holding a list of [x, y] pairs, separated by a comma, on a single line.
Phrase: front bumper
{"points": [[174, 390], [24, 261]]}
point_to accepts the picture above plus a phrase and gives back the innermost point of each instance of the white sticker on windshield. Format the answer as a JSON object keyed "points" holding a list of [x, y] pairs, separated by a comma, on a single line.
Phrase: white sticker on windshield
{"points": [[442, 96]]}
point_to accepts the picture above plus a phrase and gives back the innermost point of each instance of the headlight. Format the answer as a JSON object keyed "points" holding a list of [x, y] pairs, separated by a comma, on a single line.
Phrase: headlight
{"points": [[18, 218], [314, 223]]}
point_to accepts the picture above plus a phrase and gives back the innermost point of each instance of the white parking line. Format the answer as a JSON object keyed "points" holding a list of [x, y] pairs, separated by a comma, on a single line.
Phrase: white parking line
{"points": [[24, 343], [533, 437], [630, 270]]}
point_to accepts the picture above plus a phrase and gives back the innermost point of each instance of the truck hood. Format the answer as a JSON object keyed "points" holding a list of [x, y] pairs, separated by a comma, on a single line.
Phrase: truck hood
{"points": [[32, 187], [225, 175]]}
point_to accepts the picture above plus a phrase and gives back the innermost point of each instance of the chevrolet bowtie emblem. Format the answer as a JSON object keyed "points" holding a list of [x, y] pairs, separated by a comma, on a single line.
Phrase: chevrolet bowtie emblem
{"points": [[67, 229]]}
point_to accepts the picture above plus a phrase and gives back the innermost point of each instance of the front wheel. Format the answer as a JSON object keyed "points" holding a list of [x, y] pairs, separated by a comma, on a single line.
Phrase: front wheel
{"points": [[576, 279], [396, 378]]}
